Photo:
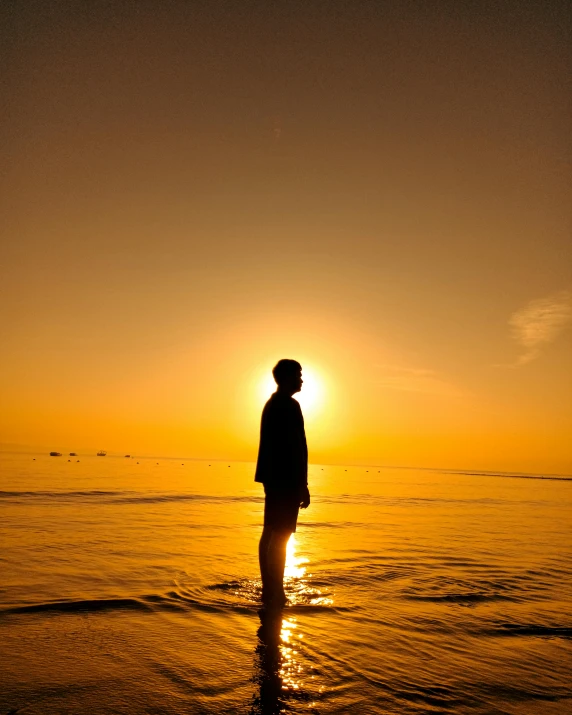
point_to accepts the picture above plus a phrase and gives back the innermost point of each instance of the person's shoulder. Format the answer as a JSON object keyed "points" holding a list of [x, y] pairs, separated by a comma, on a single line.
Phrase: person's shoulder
{"points": [[294, 404], [279, 402], [288, 402], [292, 408], [271, 404]]}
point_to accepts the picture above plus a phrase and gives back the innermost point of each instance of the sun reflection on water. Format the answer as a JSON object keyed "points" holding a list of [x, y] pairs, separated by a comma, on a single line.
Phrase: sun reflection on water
{"points": [[291, 668], [296, 580], [294, 564], [285, 675]]}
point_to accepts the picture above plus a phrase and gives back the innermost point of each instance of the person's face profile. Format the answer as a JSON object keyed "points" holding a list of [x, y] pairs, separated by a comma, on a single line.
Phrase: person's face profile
{"points": [[298, 382], [293, 384]]}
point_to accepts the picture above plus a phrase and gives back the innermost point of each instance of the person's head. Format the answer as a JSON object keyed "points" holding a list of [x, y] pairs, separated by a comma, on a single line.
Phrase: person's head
{"points": [[288, 376]]}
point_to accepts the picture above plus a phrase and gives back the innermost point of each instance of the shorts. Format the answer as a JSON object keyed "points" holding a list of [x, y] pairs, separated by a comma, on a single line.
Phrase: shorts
{"points": [[281, 509]]}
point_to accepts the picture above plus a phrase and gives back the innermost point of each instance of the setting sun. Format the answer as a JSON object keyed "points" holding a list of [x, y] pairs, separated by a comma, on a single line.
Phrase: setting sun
{"points": [[311, 397]]}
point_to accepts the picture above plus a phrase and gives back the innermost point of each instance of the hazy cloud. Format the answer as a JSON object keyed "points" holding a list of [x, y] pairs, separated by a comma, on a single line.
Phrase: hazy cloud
{"points": [[410, 379], [540, 322]]}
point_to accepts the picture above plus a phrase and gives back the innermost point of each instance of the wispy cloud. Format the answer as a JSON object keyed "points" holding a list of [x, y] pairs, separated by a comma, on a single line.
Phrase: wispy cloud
{"points": [[540, 322], [409, 379]]}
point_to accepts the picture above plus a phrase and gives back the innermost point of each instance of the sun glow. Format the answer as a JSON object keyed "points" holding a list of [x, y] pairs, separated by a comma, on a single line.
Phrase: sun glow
{"points": [[311, 397]]}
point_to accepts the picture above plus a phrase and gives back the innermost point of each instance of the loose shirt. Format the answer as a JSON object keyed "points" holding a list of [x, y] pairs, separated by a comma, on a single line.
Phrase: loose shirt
{"points": [[283, 453]]}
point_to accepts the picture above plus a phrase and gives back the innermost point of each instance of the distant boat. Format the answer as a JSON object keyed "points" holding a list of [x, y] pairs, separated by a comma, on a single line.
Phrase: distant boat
{"points": [[73, 454], [55, 454], [127, 456], [101, 453]]}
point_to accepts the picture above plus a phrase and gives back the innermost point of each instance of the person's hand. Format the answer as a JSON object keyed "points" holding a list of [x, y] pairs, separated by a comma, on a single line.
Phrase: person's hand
{"points": [[304, 496]]}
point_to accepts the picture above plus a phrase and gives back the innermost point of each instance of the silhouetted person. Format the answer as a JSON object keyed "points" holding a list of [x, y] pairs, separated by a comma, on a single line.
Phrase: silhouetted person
{"points": [[282, 468]]}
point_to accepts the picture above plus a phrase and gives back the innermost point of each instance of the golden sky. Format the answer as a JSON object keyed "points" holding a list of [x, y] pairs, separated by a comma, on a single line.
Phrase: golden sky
{"points": [[192, 191]]}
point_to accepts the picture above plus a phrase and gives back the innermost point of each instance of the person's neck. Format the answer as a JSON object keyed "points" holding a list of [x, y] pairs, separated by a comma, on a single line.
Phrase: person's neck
{"points": [[284, 391]]}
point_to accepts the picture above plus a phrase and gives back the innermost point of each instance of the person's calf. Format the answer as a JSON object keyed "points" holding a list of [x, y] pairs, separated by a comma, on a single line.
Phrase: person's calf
{"points": [[276, 562]]}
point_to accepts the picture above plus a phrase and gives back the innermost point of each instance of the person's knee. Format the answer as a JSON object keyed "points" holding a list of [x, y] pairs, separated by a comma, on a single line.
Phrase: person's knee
{"points": [[279, 538], [266, 534]]}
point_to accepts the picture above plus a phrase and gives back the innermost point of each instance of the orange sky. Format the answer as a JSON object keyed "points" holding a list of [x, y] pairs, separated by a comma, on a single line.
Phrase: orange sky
{"points": [[379, 190]]}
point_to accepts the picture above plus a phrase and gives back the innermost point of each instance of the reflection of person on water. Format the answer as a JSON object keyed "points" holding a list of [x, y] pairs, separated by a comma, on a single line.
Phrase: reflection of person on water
{"points": [[277, 669], [267, 665], [282, 468]]}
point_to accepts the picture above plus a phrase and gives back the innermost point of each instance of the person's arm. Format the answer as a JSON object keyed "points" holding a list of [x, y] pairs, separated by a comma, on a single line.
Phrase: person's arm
{"points": [[302, 450], [263, 466], [304, 494]]}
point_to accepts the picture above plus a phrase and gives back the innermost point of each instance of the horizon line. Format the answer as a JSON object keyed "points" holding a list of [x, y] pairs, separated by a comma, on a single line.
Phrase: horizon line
{"points": [[448, 470]]}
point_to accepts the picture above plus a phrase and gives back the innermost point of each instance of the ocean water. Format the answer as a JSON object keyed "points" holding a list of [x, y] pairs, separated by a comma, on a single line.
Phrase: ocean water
{"points": [[131, 586]]}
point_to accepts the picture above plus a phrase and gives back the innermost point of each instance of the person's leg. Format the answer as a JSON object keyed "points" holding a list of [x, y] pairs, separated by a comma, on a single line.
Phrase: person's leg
{"points": [[276, 559], [263, 561]]}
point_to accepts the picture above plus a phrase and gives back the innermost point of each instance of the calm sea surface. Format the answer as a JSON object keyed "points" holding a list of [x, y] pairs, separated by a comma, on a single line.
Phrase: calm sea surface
{"points": [[131, 586]]}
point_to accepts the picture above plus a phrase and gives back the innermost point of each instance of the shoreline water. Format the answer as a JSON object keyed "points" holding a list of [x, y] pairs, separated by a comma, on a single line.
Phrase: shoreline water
{"points": [[133, 590]]}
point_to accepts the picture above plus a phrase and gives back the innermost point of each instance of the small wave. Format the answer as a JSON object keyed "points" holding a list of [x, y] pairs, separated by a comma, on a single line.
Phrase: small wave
{"points": [[477, 473], [461, 598], [122, 497], [319, 608], [225, 586], [80, 606], [238, 596], [508, 475], [163, 498], [213, 605], [330, 524], [515, 629], [39, 494], [244, 595]]}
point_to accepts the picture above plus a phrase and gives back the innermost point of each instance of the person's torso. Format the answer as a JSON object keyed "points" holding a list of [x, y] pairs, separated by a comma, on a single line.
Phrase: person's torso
{"points": [[283, 454]]}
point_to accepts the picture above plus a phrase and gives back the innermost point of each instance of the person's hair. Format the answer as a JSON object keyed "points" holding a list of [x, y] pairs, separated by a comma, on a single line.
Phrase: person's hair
{"points": [[285, 369]]}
